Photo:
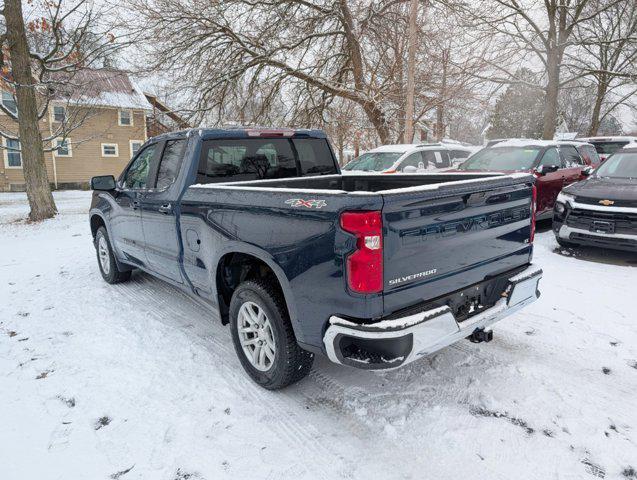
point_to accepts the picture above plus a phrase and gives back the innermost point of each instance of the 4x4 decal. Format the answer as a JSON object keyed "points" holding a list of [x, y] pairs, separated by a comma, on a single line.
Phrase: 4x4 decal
{"points": [[299, 202]]}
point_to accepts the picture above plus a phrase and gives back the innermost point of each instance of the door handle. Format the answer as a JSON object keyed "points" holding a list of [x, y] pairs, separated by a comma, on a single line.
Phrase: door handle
{"points": [[135, 204], [166, 208]]}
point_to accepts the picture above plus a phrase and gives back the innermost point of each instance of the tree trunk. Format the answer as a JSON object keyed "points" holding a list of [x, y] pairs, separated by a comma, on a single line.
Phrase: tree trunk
{"points": [[552, 91], [411, 73], [370, 107], [33, 166], [440, 109], [378, 120], [597, 109], [357, 144]]}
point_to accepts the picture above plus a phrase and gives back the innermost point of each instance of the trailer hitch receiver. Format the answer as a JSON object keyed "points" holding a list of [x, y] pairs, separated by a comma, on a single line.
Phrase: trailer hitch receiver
{"points": [[480, 335]]}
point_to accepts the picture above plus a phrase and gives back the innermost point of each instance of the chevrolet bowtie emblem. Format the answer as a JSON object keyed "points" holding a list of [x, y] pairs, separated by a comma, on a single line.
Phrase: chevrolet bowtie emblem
{"points": [[606, 203]]}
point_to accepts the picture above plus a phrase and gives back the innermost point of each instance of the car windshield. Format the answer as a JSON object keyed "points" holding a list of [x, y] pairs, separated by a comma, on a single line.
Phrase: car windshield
{"points": [[373, 161], [620, 165], [608, 148], [502, 158]]}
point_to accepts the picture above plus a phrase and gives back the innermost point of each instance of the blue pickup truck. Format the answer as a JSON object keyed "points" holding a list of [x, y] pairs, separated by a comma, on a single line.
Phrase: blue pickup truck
{"points": [[373, 271]]}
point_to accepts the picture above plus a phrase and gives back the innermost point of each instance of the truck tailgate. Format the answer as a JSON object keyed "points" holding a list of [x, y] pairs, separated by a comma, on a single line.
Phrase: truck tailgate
{"points": [[443, 240]]}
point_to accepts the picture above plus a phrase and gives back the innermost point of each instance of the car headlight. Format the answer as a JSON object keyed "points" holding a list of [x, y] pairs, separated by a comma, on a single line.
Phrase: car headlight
{"points": [[565, 197]]}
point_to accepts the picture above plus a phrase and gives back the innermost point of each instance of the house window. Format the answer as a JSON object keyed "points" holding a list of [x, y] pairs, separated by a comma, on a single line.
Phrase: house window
{"points": [[125, 118], [63, 146], [135, 145], [8, 101], [13, 156], [59, 113], [109, 150]]}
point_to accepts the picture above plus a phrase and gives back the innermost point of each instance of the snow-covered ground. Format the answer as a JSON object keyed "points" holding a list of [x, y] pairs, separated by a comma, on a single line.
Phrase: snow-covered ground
{"points": [[137, 381]]}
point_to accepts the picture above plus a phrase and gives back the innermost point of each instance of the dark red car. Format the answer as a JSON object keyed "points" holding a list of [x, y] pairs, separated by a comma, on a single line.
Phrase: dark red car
{"points": [[555, 165]]}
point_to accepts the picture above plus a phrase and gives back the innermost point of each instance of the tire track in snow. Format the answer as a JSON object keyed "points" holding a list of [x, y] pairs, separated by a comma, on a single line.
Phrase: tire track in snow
{"points": [[205, 324]]}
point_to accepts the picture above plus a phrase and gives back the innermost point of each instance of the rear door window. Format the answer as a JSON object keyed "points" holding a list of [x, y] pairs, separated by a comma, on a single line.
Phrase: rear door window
{"points": [[442, 158], [170, 163], [429, 157], [570, 156], [589, 154]]}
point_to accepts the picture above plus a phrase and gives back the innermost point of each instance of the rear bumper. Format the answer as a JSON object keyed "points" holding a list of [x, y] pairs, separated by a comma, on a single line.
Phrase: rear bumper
{"points": [[397, 342]]}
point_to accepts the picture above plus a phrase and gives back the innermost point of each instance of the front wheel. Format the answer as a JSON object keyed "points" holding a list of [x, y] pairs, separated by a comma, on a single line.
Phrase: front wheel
{"points": [[106, 260], [263, 337]]}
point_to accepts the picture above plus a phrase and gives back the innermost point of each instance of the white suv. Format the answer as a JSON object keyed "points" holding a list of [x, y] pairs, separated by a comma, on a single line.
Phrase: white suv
{"points": [[409, 158]]}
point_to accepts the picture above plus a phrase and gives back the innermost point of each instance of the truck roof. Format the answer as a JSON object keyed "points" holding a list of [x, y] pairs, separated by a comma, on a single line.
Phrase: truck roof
{"points": [[617, 138], [408, 147], [525, 142], [244, 132]]}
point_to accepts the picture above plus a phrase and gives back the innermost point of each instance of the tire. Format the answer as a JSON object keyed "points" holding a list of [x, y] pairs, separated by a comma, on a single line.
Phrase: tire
{"points": [[258, 309], [106, 260]]}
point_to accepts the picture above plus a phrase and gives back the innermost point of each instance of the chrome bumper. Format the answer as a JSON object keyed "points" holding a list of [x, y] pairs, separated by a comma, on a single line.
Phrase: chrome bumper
{"points": [[426, 332]]}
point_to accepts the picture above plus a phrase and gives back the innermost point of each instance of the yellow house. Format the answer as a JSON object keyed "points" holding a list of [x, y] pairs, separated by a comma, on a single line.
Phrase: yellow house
{"points": [[109, 116]]}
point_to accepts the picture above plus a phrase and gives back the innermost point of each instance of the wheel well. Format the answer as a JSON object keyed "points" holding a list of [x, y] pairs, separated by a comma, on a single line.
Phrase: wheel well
{"points": [[96, 223], [234, 268]]}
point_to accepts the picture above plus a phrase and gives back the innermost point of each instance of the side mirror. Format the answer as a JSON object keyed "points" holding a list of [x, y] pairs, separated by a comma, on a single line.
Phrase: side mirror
{"points": [[586, 171], [544, 169], [103, 182], [410, 169]]}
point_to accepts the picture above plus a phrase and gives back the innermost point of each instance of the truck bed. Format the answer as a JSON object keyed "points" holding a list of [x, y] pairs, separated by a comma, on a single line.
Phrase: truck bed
{"points": [[381, 183], [442, 233]]}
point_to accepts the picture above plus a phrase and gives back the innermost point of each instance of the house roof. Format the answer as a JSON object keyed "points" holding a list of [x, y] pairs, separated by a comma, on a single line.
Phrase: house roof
{"points": [[101, 88]]}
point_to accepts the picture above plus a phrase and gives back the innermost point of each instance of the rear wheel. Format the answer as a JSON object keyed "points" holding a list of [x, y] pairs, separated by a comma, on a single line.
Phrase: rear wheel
{"points": [[106, 260], [263, 337]]}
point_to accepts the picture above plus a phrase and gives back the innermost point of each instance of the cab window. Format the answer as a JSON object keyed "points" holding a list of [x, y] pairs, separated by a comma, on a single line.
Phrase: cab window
{"points": [[136, 176], [263, 158]]}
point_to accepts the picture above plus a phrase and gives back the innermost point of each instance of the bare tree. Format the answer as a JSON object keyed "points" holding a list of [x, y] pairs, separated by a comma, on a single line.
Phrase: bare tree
{"points": [[535, 31], [38, 61], [411, 71], [606, 54], [291, 44], [36, 179]]}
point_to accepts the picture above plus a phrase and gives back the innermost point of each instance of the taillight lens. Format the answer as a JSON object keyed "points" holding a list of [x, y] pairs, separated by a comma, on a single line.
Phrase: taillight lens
{"points": [[365, 265], [533, 211]]}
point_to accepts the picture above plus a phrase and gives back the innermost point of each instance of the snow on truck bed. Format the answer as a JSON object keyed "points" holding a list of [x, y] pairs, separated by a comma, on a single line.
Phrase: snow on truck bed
{"points": [[137, 381]]}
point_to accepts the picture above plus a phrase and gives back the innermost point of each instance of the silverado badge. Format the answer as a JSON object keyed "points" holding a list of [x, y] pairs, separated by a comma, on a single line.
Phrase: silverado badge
{"points": [[606, 203], [299, 202]]}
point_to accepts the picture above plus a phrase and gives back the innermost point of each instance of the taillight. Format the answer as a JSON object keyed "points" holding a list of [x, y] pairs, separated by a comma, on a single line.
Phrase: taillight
{"points": [[533, 211], [365, 265]]}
